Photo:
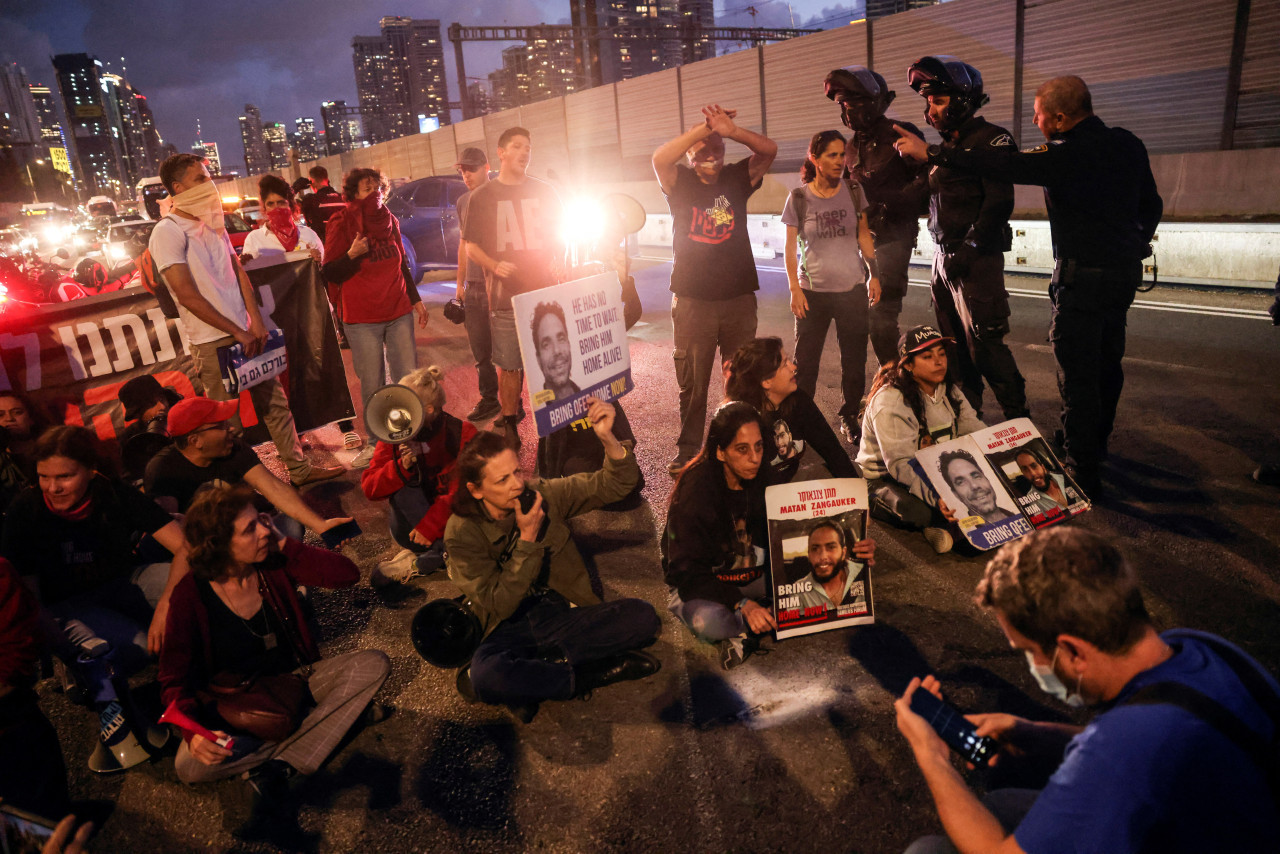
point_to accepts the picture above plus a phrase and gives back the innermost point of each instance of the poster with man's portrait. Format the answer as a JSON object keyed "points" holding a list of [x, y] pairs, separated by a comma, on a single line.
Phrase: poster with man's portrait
{"points": [[815, 581], [1043, 489], [573, 341]]}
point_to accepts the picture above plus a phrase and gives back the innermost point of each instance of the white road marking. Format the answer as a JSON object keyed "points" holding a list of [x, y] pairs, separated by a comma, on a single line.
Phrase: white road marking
{"points": [[1150, 305]]}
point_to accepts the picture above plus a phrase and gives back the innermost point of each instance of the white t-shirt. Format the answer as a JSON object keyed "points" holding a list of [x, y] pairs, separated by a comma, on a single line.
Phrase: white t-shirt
{"points": [[262, 242], [207, 254]]}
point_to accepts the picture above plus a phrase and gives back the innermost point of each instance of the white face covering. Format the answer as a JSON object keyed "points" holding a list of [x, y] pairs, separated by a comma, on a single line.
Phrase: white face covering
{"points": [[202, 202], [1051, 684]]}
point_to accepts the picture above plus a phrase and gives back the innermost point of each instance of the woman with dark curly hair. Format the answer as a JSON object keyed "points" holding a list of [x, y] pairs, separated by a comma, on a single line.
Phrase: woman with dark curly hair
{"points": [[799, 441], [237, 616], [377, 293]]}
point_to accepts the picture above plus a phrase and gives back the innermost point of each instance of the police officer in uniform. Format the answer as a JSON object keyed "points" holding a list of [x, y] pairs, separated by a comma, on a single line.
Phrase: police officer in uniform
{"points": [[969, 220], [1103, 210], [896, 189]]}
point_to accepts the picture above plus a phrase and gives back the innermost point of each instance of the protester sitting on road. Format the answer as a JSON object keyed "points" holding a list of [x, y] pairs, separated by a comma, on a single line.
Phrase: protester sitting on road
{"points": [[146, 408], [35, 776], [762, 375], [279, 231], [204, 451], [378, 292], [237, 614], [715, 545], [416, 479], [75, 538], [832, 276], [20, 424], [520, 570], [913, 404], [1164, 766]]}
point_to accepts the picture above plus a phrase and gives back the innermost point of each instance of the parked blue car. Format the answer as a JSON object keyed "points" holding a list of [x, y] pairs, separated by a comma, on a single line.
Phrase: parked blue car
{"points": [[428, 218]]}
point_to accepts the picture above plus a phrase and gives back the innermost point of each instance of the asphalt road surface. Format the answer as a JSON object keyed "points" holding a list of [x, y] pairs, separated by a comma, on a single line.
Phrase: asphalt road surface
{"points": [[797, 749]]}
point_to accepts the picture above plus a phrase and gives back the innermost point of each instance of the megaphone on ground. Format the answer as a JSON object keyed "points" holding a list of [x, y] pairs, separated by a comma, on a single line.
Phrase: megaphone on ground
{"points": [[393, 414], [445, 632], [125, 739]]}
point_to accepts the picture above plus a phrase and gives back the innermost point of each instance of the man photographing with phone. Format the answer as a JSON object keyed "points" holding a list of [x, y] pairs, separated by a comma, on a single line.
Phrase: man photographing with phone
{"points": [[513, 556], [1177, 758]]}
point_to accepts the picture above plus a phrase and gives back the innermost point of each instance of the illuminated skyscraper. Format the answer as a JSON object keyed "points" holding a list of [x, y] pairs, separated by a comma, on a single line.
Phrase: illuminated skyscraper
{"points": [[257, 159], [305, 139], [96, 151], [277, 140], [400, 76]]}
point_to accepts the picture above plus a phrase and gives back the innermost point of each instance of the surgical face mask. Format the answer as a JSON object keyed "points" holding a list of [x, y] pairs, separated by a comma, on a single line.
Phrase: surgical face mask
{"points": [[1051, 684], [202, 202]]}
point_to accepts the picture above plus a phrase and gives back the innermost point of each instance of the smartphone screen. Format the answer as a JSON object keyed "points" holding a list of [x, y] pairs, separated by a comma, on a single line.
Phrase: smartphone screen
{"points": [[336, 536], [952, 728], [22, 832]]}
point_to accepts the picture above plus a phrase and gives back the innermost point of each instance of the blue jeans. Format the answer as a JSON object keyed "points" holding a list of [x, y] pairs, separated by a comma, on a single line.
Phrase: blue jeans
{"points": [[405, 509], [476, 301], [532, 655], [378, 346], [119, 612], [849, 311], [711, 621]]}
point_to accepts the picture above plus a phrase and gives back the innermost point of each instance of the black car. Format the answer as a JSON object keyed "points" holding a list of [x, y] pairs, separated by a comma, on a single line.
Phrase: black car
{"points": [[428, 218]]}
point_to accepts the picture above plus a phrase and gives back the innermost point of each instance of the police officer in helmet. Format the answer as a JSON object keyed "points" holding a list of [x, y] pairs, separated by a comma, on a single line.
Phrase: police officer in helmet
{"points": [[969, 221], [1103, 211], [896, 189]]}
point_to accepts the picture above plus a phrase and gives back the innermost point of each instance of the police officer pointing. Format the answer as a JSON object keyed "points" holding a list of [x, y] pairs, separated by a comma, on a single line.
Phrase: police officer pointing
{"points": [[969, 220], [897, 191], [1103, 211]]}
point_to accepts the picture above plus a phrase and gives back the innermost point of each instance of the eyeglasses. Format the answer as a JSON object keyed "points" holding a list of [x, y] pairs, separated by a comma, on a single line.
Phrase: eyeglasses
{"points": [[221, 425]]}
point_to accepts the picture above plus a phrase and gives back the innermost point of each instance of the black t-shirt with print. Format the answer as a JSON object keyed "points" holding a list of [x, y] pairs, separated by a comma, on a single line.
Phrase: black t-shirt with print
{"points": [[712, 252], [171, 474]]}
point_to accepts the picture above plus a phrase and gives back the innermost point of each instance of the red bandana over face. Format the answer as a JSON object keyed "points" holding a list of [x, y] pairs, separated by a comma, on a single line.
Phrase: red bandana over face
{"points": [[280, 222]]}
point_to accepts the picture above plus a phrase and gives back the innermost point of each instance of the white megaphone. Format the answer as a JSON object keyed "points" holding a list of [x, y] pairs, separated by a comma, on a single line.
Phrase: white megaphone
{"points": [[393, 414]]}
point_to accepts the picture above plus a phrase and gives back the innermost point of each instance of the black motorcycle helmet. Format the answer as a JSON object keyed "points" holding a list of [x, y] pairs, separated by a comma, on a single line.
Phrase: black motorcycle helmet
{"points": [[445, 632], [946, 75], [862, 94], [91, 273]]}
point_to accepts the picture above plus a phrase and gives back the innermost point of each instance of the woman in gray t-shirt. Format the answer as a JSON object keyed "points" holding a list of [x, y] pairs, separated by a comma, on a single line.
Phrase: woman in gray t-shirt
{"points": [[829, 254]]}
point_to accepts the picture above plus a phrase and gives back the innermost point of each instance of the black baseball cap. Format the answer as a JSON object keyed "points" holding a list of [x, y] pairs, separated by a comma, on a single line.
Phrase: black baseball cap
{"points": [[919, 338], [472, 158]]}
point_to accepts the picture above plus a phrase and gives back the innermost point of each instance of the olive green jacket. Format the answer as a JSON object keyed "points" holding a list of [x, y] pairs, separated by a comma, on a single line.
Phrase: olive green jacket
{"points": [[494, 567]]}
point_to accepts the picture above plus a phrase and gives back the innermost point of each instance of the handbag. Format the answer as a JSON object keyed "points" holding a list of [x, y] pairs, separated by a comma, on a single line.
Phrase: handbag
{"points": [[266, 706]]}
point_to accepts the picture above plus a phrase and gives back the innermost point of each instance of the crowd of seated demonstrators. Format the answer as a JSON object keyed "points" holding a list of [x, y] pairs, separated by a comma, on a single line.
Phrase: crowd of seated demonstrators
{"points": [[416, 479], [20, 425], [236, 618], [799, 442]]}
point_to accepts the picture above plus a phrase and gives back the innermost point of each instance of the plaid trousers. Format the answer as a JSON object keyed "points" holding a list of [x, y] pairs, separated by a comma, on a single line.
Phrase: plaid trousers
{"points": [[342, 686]]}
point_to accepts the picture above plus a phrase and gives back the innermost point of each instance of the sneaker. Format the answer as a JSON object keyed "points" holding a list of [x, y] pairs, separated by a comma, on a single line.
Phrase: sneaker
{"points": [[398, 570], [352, 441], [940, 539], [677, 464], [432, 560], [1267, 474], [484, 410], [850, 430], [734, 651], [362, 459]]}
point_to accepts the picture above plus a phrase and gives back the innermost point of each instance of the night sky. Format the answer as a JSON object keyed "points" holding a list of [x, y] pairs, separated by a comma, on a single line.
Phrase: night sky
{"points": [[285, 57]]}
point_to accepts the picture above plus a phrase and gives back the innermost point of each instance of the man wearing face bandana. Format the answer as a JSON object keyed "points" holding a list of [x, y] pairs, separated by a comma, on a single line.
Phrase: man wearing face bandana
{"points": [[217, 305], [1103, 211], [969, 221], [897, 191], [1177, 758]]}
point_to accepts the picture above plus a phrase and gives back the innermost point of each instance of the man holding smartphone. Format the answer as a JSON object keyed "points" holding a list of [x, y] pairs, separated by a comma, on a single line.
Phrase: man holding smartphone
{"points": [[1153, 771]]}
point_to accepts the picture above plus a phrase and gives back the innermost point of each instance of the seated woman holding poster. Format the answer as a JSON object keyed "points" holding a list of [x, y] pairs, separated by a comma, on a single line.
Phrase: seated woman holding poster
{"points": [[912, 405], [715, 546], [416, 480], [799, 443]]}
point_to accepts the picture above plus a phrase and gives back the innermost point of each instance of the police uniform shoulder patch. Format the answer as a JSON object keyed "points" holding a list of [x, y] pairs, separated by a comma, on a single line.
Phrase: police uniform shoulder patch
{"points": [[1039, 149], [1002, 140]]}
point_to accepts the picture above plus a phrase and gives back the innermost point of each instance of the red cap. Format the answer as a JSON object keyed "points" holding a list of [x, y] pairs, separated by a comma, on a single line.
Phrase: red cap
{"points": [[192, 413]]}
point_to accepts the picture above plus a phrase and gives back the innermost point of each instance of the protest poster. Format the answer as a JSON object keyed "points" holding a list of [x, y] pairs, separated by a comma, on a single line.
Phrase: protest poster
{"points": [[72, 358], [573, 341], [816, 583], [1002, 482]]}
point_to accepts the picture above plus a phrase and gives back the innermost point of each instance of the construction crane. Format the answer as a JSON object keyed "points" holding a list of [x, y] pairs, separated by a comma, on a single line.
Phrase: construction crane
{"points": [[589, 35]]}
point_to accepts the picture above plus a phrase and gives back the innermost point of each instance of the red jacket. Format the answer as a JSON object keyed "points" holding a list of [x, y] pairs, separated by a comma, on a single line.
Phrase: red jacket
{"points": [[19, 648], [373, 287], [434, 474], [187, 651]]}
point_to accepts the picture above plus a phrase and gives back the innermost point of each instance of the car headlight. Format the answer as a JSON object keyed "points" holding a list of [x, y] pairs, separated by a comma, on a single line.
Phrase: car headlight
{"points": [[116, 252], [77, 241], [27, 243]]}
